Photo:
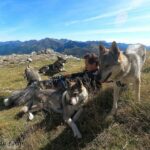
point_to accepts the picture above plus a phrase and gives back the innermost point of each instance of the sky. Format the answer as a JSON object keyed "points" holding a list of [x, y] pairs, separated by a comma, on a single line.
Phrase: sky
{"points": [[125, 21]]}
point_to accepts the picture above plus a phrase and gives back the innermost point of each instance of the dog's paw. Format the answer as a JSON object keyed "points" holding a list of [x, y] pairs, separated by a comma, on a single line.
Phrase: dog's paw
{"points": [[78, 135], [30, 117]]}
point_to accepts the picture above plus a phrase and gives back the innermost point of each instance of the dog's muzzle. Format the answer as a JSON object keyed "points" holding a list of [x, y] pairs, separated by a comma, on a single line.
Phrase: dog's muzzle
{"points": [[74, 100]]}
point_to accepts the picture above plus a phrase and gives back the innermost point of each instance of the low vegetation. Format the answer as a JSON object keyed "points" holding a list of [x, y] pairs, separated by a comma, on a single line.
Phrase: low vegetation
{"points": [[129, 130]]}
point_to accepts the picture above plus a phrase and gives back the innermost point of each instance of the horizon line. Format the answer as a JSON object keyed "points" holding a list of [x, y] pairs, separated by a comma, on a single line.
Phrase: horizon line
{"points": [[108, 41]]}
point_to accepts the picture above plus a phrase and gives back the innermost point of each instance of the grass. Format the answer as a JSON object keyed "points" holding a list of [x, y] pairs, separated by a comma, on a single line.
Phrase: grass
{"points": [[129, 130]]}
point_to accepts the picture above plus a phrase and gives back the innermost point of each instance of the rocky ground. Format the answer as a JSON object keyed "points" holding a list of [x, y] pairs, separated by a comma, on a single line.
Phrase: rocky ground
{"points": [[36, 56]]}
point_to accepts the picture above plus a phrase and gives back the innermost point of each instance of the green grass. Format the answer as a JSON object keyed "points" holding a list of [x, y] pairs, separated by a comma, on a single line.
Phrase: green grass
{"points": [[129, 130]]}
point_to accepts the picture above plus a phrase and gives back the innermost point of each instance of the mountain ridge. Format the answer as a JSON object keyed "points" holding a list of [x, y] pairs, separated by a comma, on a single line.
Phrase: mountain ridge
{"points": [[76, 48]]}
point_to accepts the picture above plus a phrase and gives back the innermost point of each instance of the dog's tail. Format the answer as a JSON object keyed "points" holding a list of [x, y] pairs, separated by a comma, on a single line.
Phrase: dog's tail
{"points": [[25, 96], [138, 49], [18, 98], [9, 101]]}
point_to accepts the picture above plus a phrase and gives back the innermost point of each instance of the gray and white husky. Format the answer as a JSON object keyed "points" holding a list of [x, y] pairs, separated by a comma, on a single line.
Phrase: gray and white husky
{"points": [[31, 74], [121, 67], [67, 102]]}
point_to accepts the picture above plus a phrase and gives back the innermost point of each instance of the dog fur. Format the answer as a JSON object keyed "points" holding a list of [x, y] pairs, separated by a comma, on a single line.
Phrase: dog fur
{"points": [[69, 103], [52, 69], [31, 74], [124, 68]]}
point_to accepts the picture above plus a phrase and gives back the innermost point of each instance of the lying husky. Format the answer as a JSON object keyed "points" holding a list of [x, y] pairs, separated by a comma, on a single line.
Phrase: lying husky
{"points": [[19, 97], [52, 69], [69, 103], [122, 68], [31, 74]]}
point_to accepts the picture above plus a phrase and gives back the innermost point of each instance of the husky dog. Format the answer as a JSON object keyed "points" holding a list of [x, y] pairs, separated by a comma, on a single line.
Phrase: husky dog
{"points": [[56, 67], [67, 102], [122, 68], [31, 74], [19, 97]]}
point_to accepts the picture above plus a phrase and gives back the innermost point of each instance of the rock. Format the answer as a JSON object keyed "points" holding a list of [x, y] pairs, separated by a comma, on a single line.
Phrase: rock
{"points": [[48, 54], [33, 53]]}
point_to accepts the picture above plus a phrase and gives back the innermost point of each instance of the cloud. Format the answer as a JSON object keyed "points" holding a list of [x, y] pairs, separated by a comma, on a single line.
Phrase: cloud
{"points": [[138, 18], [71, 22], [105, 15], [115, 30], [136, 3], [129, 40], [120, 14], [121, 18]]}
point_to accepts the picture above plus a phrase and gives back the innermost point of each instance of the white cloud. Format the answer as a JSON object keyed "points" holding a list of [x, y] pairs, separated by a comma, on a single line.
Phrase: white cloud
{"points": [[136, 3], [121, 18], [144, 41], [71, 22], [105, 15], [115, 30], [121, 13], [138, 18], [124, 35]]}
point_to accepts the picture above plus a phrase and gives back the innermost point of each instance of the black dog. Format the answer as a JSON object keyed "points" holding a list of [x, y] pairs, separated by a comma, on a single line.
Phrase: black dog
{"points": [[52, 69]]}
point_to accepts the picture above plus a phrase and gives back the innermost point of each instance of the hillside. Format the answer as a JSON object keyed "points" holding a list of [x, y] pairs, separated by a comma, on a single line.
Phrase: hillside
{"points": [[130, 130], [76, 48]]}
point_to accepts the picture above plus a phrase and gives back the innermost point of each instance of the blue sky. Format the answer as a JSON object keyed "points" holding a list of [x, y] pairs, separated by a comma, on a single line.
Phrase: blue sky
{"points": [[121, 20]]}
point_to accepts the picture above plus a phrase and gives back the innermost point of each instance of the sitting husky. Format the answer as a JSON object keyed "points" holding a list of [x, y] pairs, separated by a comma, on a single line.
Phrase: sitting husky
{"points": [[31, 74], [69, 102], [122, 68], [52, 69]]}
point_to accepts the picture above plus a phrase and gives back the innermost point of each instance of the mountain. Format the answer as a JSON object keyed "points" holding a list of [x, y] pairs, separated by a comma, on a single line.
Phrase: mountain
{"points": [[76, 48]]}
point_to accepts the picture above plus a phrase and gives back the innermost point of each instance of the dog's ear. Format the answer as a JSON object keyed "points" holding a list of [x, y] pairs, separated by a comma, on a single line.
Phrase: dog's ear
{"points": [[65, 59], [68, 83], [79, 82], [114, 48], [102, 49], [58, 57]]}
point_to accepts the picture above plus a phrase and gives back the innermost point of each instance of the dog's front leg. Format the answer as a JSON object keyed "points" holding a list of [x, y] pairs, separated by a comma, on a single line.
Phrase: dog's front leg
{"points": [[77, 114], [33, 109], [137, 88], [24, 110], [36, 107], [115, 99], [21, 113], [74, 128]]}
